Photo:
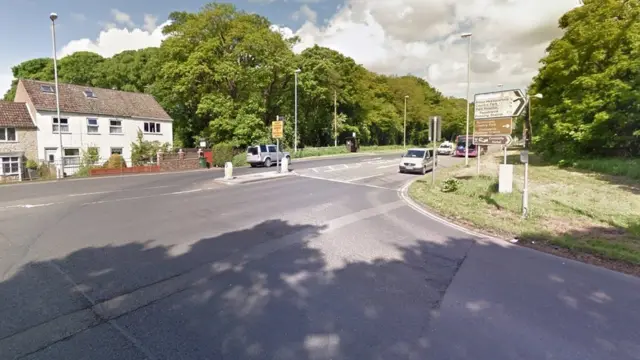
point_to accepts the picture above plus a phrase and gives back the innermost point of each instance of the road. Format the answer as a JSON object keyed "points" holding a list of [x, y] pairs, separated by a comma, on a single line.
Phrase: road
{"points": [[329, 264]]}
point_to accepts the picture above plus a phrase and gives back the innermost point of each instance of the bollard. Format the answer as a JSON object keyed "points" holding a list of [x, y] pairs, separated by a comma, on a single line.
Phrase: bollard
{"points": [[284, 165], [228, 170]]}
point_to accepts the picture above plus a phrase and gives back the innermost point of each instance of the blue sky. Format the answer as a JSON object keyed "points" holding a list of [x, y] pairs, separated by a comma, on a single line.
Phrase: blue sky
{"points": [[86, 19], [419, 37]]}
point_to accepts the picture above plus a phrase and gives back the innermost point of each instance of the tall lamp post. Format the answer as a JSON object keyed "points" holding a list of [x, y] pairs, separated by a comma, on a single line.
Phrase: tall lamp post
{"points": [[404, 131], [466, 146], [60, 170], [295, 131], [527, 128]]}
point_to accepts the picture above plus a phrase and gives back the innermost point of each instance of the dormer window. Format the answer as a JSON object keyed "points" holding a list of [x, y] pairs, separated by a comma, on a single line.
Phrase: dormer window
{"points": [[90, 94], [47, 89]]}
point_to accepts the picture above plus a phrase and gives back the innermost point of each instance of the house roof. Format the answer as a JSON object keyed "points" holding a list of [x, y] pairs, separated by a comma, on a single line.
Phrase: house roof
{"points": [[15, 114], [106, 102]]}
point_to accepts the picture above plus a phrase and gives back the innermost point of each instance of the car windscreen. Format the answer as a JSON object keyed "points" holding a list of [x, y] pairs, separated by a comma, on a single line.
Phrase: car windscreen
{"points": [[252, 150], [414, 154], [445, 146], [461, 145]]}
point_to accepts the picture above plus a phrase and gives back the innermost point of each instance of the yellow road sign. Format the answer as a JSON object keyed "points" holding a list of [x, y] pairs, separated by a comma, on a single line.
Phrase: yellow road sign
{"points": [[277, 128]]}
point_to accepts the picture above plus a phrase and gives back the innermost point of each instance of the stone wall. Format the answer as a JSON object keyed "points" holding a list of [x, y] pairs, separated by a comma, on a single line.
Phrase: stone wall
{"points": [[27, 143], [177, 165]]}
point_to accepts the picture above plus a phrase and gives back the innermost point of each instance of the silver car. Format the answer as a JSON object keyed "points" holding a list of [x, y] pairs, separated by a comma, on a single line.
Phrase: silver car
{"points": [[265, 155], [417, 160]]}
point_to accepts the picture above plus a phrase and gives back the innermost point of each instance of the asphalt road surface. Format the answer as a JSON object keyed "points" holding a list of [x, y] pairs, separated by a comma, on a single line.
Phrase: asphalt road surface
{"points": [[330, 263]]}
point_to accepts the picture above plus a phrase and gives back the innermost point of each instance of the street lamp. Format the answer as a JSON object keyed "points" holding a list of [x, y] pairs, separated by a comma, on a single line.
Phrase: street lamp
{"points": [[466, 146], [405, 122], [54, 17], [527, 131], [295, 131]]}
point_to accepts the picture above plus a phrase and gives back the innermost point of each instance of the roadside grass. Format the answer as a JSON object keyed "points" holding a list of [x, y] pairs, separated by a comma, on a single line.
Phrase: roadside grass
{"points": [[578, 211], [629, 168]]}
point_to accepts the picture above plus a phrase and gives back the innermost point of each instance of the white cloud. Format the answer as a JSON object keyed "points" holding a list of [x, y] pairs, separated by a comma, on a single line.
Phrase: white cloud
{"points": [[310, 15], [150, 22], [422, 37], [122, 18], [114, 40]]}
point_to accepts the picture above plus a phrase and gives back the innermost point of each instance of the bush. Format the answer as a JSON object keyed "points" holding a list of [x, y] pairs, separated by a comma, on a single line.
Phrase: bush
{"points": [[116, 161], [45, 171], [239, 160], [450, 185], [31, 164], [222, 153], [563, 164]]}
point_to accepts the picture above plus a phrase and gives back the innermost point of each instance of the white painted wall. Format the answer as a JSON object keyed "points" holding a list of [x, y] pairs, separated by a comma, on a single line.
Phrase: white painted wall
{"points": [[78, 137]]}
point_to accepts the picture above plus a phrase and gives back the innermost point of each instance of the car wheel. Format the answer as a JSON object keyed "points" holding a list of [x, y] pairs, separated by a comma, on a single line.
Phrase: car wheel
{"points": [[424, 170], [253, 165], [267, 162], [401, 171]]}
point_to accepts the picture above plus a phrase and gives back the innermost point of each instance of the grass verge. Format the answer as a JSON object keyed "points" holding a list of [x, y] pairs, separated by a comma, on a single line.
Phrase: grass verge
{"points": [[575, 213]]}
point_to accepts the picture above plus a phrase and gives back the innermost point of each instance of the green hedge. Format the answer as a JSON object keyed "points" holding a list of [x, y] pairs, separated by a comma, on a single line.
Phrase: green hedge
{"points": [[222, 153]]}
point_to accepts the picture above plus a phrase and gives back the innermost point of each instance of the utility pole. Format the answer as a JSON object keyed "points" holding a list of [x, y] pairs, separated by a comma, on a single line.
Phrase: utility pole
{"points": [[404, 136], [466, 146], [335, 118]]}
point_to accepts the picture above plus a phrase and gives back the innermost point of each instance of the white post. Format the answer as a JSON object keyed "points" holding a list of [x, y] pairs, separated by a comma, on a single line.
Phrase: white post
{"points": [[525, 191], [295, 131], [335, 118], [60, 170], [479, 151], [505, 154]]}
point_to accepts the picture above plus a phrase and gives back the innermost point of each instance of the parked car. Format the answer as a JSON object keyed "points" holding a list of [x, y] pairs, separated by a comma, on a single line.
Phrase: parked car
{"points": [[446, 148], [417, 160], [265, 155], [460, 149]]}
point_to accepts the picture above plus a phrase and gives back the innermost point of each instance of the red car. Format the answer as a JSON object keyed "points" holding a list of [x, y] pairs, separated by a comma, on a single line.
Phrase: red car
{"points": [[473, 149]]}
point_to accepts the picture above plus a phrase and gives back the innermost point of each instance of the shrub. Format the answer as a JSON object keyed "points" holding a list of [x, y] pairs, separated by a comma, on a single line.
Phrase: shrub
{"points": [[222, 153], [32, 164], [116, 161], [45, 171], [562, 164], [450, 185]]}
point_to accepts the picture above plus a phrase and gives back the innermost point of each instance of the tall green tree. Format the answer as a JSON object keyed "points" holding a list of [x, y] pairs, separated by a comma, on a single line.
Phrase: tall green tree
{"points": [[590, 80]]}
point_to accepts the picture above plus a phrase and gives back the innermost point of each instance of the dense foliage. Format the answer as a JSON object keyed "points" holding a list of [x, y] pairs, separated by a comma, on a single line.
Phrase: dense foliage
{"points": [[590, 80], [225, 75]]}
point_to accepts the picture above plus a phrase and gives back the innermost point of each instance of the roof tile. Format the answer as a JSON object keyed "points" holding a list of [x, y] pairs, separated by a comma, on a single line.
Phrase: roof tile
{"points": [[15, 114], [107, 102]]}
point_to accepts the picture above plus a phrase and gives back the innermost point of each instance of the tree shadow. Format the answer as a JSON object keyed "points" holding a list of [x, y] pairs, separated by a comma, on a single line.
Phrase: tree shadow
{"points": [[266, 292]]}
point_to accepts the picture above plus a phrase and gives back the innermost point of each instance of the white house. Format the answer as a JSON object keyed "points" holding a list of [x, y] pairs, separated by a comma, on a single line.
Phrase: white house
{"points": [[104, 119]]}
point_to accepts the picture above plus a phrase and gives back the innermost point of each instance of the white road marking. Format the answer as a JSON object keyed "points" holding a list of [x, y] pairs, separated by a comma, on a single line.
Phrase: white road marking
{"points": [[364, 177], [314, 170], [344, 167], [345, 182], [386, 166], [119, 190]]}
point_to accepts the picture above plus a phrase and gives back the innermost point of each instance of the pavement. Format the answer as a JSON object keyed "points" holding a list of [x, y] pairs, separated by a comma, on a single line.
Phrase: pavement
{"points": [[331, 263]]}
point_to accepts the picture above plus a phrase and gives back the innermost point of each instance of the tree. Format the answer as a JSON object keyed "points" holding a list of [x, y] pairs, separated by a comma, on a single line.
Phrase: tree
{"points": [[145, 151], [590, 80]]}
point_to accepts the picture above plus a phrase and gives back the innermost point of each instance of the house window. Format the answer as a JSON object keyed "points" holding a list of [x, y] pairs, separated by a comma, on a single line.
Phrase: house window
{"points": [[116, 151], [10, 165], [47, 89], [71, 156], [64, 125], [92, 126], [115, 127], [8, 134], [90, 94], [153, 128]]}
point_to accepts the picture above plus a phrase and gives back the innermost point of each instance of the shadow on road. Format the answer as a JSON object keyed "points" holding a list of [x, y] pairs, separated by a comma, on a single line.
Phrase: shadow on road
{"points": [[267, 292]]}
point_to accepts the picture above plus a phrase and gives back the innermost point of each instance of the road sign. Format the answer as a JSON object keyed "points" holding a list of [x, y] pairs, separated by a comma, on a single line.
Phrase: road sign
{"points": [[499, 104], [524, 156], [276, 129], [435, 122], [492, 140], [502, 126]]}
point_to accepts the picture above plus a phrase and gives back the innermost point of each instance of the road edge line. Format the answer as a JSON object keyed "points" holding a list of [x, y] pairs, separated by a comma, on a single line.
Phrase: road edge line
{"points": [[403, 192]]}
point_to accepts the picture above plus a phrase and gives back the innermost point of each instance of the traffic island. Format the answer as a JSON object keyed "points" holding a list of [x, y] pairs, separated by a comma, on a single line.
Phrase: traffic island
{"points": [[587, 216], [251, 178]]}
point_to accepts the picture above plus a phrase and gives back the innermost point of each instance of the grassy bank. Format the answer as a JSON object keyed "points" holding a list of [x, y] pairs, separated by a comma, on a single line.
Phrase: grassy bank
{"points": [[571, 209], [629, 168]]}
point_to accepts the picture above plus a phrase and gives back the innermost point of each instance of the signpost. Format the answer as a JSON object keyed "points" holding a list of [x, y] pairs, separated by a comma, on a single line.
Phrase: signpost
{"points": [[277, 132], [435, 135], [492, 140], [524, 157], [501, 126], [499, 104]]}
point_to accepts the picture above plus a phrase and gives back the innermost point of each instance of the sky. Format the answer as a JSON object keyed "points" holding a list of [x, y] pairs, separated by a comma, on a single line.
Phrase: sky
{"points": [[418, 37]]}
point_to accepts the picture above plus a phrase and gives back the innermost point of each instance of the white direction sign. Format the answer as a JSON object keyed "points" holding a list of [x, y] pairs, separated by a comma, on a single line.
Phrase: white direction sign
{"points": [[499, 104]]}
